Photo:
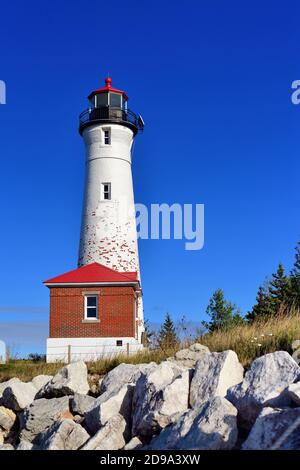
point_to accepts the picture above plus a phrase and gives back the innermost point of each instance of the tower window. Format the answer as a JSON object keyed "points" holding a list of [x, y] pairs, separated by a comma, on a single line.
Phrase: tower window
{"points": [[107, 136], [106, 191], [90, 307]]}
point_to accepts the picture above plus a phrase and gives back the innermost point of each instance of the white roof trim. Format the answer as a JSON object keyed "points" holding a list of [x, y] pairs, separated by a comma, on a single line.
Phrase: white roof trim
{"points": [[122, 283]]}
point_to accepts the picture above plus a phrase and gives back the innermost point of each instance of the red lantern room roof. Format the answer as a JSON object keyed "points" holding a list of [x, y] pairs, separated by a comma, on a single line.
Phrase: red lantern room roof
{"points": [[108, 88]]}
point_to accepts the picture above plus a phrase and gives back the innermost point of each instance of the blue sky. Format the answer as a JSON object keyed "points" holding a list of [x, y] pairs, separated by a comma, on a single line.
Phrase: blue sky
{"points": [[213, 83]]}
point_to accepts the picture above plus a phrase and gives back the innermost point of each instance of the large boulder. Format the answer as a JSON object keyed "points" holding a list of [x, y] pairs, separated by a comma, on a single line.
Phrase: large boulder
{"points": [[109, 404], [7, 383], [40, 415], [265, 384], [159, 396], [116, 396], [188, 357], [17, 395], [40, 381], [124, 374], [275, 429], [63, 435], [81, 404], [213, 426], [110, 436], [69, 380], [214, 374], [7, 418]]}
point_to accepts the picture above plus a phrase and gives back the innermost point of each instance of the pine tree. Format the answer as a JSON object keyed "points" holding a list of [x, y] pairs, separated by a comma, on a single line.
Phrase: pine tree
{"points": [[264, 305], [295, 279], [147, 334], [223, 314], [167, 337], [279, 289]]}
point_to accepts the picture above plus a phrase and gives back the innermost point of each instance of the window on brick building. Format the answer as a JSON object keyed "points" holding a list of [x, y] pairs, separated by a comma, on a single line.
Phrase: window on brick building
{"points": [[90, 307]]}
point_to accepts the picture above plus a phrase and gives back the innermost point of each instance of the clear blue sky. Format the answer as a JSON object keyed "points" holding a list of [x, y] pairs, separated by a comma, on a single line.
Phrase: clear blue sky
{"points": [[213, 83]]}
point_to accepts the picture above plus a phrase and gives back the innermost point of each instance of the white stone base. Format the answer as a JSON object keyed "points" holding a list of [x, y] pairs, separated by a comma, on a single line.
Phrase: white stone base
{"points": [[89, 349]]}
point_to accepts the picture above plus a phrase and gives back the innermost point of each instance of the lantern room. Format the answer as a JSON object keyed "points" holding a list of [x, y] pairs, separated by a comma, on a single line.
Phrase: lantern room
{"points": [[108, 96], [109, 105]]}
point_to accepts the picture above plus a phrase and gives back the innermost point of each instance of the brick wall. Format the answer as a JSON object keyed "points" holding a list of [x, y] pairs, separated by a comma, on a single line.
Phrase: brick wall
{"points": [[116, 312]]}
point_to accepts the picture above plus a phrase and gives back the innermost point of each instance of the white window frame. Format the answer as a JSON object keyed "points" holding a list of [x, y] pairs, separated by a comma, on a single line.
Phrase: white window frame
{"points": [[103, 192], [106, 129], [86, 307]]}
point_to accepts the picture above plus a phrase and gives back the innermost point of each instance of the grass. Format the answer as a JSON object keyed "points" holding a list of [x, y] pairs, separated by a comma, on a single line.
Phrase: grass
{"points": [[25, 369], [249, 341]]}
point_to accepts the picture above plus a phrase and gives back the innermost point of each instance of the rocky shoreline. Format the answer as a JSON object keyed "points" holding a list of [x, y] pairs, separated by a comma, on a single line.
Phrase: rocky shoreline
{"points": [[195, 400]]}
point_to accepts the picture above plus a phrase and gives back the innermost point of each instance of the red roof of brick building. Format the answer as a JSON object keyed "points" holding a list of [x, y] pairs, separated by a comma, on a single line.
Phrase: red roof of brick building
{"points": [[94, 273]]}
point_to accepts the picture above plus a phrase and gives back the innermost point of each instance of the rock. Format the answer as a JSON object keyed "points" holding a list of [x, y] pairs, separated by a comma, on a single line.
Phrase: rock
{"points": [[7, 418], [81, 404], [78, 419], [294, 392], [25, 445], [275, 429], [213, 426], [63, 435], [198, 347], [265, 384], [110, 437], [214, 374], [109, 404], [6, 447], [4, 385], [18, 395], [116, 395], [189, 357], [40, 381], [124, 374], [40, 415], [159, 396], [2, 436], [133, 444], [296, 349], [69, 380], [296, 344]]}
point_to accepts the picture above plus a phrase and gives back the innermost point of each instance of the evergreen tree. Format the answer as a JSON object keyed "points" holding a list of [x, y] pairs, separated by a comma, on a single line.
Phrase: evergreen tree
{"points": [[167, 337], [295, 279], [223, 314], [264, 305], [279, 289], [147, 334]]}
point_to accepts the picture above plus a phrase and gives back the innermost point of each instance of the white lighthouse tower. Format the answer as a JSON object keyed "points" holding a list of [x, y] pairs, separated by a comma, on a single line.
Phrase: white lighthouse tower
{"points": [[108, 229]]}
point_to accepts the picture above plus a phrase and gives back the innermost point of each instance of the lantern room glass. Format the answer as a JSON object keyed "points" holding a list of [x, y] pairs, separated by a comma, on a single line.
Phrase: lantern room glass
{"points": [[115, 100], [101, 100]]}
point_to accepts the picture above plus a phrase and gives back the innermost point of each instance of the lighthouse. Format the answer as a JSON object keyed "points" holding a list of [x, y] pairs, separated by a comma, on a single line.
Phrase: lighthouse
{"points": [[108, 233], [97, 309]]}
